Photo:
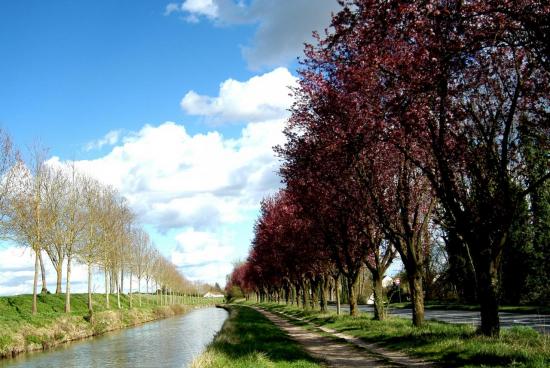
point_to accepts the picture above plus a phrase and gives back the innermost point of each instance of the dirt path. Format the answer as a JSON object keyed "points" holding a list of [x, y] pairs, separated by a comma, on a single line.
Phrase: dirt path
{"points": [[349, 353]]}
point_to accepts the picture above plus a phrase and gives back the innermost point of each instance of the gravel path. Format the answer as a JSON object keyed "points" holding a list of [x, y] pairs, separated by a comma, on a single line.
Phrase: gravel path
{"points": [[348, 351]]}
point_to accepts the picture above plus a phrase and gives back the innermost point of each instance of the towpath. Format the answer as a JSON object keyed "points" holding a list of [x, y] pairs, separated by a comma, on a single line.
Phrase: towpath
{"points": [[341, 350]]}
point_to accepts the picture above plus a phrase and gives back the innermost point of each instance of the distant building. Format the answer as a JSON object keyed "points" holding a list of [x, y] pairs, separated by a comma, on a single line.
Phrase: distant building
{"points": [[213, 295]]}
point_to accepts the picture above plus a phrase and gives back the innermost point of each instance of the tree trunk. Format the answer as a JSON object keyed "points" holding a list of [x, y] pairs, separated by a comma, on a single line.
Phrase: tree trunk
{"points": [[352, 294], [117, 288], [59, 275], [35, 283], [130, 293], [43, 272], [314, 282], [337, 287], [107, 304], [379, 311], [305, 295], [90, 303], [417, 297], [68, 286], [324, 293], [297, 289], [113, 280], [139, 290], [121, 285], [488, 300]]}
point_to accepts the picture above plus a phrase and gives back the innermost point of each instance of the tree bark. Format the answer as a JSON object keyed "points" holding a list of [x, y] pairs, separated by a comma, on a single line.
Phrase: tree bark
{"points": [[352, 293], [130, 292], [117, 288], [90, 303], [488, 300], [324, 293], [107, 304], [337, 287], [417, 297], [68, 286], [314, 282], [305, 295], [59, 275], [121, 285], [43, 272], [139, 290], [379, 310], [35, 283]]}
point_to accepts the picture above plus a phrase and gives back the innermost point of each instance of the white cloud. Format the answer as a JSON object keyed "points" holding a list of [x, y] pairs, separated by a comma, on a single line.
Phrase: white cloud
{"points": [[197, 186], [205, 188], [198, 247], [282, 26], [206, 8], [204, 255], [175, 180], [172, 8], [260, 98], [194, 9], [110, 139]]}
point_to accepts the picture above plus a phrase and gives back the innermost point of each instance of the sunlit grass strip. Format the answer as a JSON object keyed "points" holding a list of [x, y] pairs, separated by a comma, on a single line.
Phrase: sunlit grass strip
{"points": [[452, 345], [248, 339]]}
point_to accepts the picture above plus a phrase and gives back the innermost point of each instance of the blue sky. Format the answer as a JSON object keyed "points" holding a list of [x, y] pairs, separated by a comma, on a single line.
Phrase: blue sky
{"points": [[175, 104]]}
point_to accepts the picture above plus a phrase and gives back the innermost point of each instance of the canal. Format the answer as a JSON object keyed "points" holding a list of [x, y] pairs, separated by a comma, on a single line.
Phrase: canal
{"points": [[172, 342]]}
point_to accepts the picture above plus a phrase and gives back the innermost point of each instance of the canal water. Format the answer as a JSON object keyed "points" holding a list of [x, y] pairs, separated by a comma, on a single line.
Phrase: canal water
{"points": [[172, 342]]}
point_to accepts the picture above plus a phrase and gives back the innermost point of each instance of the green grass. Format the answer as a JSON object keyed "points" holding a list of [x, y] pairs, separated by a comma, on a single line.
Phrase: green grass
{"points": [[20, 330], [248, 339], [451, 345]]}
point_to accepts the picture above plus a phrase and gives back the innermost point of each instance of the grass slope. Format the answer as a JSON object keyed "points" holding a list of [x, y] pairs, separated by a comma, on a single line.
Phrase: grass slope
{"points": [[21, 331], [248, 339], [451, 345]]}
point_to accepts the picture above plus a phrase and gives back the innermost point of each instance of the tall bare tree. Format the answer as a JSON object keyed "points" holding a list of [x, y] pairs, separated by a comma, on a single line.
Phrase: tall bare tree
{"points": [[28, 218], [88, 251]]}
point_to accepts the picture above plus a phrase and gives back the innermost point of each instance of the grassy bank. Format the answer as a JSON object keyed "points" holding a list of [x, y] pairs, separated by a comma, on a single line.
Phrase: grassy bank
{"points": [[21, 331], [449, 344], [248, 339]]}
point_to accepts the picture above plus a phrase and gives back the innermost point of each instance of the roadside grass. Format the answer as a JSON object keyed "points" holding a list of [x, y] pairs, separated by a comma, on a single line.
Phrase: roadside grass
{"points": [[451, 345], [21, 331], [248, 339]]}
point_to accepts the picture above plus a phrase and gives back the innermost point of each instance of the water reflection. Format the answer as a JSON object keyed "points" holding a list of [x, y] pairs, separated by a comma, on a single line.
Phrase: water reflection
{"points": [[172, 342]]}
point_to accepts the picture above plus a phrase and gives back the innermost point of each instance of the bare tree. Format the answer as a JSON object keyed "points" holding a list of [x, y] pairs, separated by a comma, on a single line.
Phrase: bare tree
{"points": [[73, 220], [88, 251], [55, 187], [28, 220], [9, 164]]}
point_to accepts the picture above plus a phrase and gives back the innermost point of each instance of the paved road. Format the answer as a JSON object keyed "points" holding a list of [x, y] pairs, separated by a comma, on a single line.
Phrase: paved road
{"points": [[540, 322]]}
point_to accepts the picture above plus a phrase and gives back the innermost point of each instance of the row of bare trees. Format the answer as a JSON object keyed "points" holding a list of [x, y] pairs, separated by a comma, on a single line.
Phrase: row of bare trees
{"points": [[55, 210]]}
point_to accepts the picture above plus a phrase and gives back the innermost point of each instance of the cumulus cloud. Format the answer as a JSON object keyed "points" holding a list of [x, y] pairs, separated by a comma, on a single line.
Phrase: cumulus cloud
{"points": [[175, 180], [196, 186], [204, 188], [109, 139], [262, 97], [282, 26], [198, 247], [202, 255]]}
